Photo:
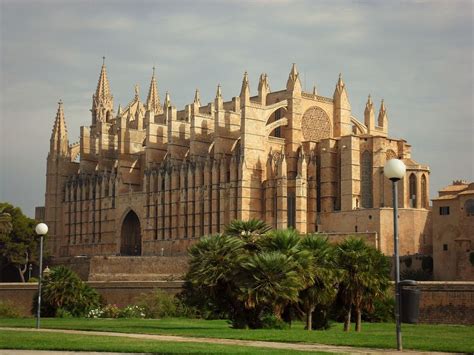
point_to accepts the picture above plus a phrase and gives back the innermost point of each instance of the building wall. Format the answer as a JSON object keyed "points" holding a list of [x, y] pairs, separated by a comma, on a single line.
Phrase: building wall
{"points": [[154, 178], [453, 234]]}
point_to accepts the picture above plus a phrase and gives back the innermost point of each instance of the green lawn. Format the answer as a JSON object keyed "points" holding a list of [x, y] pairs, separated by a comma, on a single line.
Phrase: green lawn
{"points": [[73, 342], [451, 338]]}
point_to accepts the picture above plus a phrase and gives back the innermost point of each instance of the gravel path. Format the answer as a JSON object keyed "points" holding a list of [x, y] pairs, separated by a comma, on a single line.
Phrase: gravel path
{"points": [[181, 339]]}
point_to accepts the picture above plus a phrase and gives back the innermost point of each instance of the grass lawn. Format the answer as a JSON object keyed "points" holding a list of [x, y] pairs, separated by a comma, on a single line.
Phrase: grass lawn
{"points": [[73, 342], [451, 338]]}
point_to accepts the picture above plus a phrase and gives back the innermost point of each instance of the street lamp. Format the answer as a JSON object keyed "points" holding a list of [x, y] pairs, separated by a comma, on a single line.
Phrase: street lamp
{"points": [[394, 170], [41, 230]]}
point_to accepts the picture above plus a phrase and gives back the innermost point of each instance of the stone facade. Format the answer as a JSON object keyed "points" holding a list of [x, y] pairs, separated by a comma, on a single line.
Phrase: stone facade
{"points": [[453, 232], [148, 180]]}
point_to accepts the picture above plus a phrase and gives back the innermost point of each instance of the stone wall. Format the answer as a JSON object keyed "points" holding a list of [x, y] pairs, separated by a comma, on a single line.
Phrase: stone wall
{"points": [[441, 302], [447, 302], [119, 293]]}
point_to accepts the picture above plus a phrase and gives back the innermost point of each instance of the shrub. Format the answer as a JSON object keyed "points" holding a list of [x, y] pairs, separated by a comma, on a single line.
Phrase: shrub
{"points": [[158, 304], [63, 289], [95, 313], [132, 311], [8, 310], [427, 263], [32, 279], [383, 311], [270, 321], [110, 311], [417, 275], [62, 313]]}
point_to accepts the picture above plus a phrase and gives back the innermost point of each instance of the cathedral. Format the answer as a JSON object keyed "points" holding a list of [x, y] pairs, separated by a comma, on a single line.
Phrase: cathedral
{"points": [[148, 179]]}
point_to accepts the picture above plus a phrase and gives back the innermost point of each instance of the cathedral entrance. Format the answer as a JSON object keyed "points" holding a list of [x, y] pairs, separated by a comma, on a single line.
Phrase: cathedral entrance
{"points": [[131, 240]]}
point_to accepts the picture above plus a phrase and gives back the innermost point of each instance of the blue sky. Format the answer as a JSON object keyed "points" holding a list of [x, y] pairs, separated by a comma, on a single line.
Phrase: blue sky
{"points": [[417, 55]]}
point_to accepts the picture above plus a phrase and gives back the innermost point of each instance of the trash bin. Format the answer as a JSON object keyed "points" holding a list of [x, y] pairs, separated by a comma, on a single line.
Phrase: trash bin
{"points": [[410, 301]]}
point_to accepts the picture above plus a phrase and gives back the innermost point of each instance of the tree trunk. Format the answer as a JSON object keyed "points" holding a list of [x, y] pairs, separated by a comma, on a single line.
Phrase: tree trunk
{"points": [[309, 318], [358, 320], [22, 276], [347, 321]]}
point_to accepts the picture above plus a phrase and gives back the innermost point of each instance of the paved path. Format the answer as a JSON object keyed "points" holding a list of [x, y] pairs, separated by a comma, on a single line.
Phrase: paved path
{"points": [[180, 339]]}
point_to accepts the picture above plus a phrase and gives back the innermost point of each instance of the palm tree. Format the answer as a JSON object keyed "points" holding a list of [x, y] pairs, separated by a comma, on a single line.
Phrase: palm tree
{"points": [[272, 280], [322, 290], [249, 231], [362, 277], [214, 265]]}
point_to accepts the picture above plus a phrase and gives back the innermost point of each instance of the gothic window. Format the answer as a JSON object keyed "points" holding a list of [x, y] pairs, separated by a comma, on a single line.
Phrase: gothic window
{"points": [[366, 180], [424, 192], [277, 131], [412, 190], [315, 124], [469, 208]]}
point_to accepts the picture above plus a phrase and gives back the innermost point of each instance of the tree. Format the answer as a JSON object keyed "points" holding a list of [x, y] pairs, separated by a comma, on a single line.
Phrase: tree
{"points": [[214, 266], [18, 245], [322, 290], [272, 280], [363, 277], [63, 289], [249, 231]]}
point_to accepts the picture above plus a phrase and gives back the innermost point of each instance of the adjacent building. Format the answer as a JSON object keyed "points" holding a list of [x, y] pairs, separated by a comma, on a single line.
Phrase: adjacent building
{"points": [[453, 232]]}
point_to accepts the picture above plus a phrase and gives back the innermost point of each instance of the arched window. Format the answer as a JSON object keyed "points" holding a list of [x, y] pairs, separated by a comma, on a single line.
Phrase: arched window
{"points": [[366, 180], [469, 207], [412, 190], [424, 192]]}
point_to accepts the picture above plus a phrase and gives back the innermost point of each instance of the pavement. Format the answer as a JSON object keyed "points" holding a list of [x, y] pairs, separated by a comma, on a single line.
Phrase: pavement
{"points": [[181, 339]]}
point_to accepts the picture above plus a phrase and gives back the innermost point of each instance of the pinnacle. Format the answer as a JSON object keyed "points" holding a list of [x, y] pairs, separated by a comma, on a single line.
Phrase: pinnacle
{"points": [[197, 97], [219, 91], [103, 88], [153, 99]]}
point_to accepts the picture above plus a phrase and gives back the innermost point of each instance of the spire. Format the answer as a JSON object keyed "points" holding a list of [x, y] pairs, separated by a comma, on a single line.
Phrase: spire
{"points": [[59, 140], [383, 118], [102, 100], [219, 91], [197, 97], [245, 90], [153, 99], [315, 92], [340, 83], [340, 94], [167, 100], [369, 115], [119, 110], [293, 83], [103, 88]]}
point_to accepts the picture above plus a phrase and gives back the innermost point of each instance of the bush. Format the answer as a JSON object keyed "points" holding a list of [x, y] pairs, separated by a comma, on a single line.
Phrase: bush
{"points": [[158, 304], [417, 275], [383, 311], [8, 310], [269, 321], [63, 289], [132, 311], [110, 311], [32, 279], [427, 263]]}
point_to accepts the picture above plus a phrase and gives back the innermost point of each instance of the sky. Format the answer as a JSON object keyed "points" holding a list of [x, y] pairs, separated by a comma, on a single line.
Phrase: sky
{"points": [[417, 55]]}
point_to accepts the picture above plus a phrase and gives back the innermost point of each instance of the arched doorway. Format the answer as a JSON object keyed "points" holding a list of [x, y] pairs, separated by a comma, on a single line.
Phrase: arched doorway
{"points": [[131, 240]]}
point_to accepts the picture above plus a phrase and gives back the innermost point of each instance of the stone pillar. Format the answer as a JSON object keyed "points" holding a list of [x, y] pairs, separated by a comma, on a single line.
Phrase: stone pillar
{"points": [[207, 198], [282, 195], [223, 190], [328, 174], [191, 201], [312, 198], [233, 186], [350, 172], [198, 203], [215, 201], [301, 196], [167, 207]]}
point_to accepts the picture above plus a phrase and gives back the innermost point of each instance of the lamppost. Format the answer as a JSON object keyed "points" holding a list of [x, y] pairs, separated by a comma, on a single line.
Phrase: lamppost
{"points": [[394, 170], [41, 230]]}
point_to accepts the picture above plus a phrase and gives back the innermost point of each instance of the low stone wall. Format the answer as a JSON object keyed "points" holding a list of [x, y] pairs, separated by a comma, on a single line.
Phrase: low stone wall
{"points": [[448, 302], [119, 293], [441, 302]]}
